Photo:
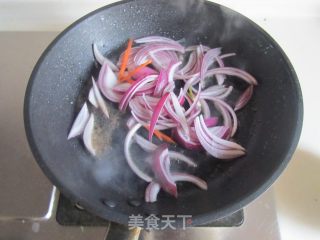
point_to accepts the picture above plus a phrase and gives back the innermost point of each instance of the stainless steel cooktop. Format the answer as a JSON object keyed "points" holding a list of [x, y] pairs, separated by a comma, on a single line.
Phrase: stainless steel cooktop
{"points": [[28, 201]]}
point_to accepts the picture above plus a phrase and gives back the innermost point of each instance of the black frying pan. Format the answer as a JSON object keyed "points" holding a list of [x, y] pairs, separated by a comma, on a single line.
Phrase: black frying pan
{"points": [[270, 125]]}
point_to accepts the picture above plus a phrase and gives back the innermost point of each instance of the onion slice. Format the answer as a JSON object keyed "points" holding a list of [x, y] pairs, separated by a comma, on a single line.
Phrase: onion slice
{"points": [[194, 47], [153, 188], [158, 39], [80, 122], [101, 103], [131, 163], [145, 144], [185, 177], [190, 64], [212, 149], [143, 54], [162, 82], [186, 141], [159, 169], [220, 131], [131, 122], [171, 70], [231, 145], [152, 191], [133, 89], [143, 72], [233, 72], [156, 114], [244, 98], [208, 59], [232, 113], [180, 113], [211, 121], [92, 99], [213, 91], [87, 135], [220, 77], [148, 146], [180, 157], [205, 108], [106, 81]]}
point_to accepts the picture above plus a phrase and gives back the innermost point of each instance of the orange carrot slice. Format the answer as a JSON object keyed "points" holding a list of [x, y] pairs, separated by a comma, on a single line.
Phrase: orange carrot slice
{"points": [[125, 59], [137, 69], [162, 136]]}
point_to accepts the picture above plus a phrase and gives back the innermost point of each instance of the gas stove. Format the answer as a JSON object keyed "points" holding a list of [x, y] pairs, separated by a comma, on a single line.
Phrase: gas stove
{"points": [[31, 208]]}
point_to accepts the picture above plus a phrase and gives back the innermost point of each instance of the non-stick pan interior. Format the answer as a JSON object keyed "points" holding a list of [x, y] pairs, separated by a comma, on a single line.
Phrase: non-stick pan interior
{"points": [[269, 126]]}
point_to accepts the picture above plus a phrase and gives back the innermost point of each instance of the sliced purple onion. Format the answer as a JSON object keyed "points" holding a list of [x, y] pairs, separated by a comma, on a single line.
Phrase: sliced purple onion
{"points": [[180, 113], [171, 112], [121, 88], [156, 114], [218, 140], [194, 48], [131, 122], [214, 91], [227, 120], [148, 146], [209, 59], [220, 131], [80, 122], [106, 81], [205, 108], [158, 39], [88, 134], [180, 157], [143, 54], [172, 68], [167, 166], [145, 144], [233, 72], [159, 126], [152, 191], [144, 101], [244, 98], [212, 149], [181, 97], [226, 55], [220, 77], [162, 82], [190, 64], [92, 98], [195, 102], [193, 116], [143, 72], [185, 177], [130, 161], [158, 167], [133, 89], [185, 141], [162, 59], [226, 93], [139, 109], [211, 121], [153, 188], [101, 103], [222, 104]]}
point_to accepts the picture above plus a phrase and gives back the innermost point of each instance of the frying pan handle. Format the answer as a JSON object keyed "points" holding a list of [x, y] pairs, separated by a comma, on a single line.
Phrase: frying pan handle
{"points": [[118, 231]]}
